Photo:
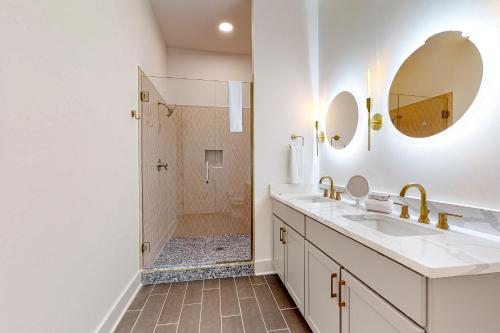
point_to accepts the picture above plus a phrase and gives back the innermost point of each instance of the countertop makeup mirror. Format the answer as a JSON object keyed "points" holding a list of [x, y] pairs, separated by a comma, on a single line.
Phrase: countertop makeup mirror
{"points": [[358, 188], [436, 85], [342, 120]]}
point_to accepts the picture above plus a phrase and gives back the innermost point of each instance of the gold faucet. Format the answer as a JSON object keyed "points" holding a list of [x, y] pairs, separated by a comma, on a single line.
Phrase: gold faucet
{"points": [[424, 211], [325, 192]]}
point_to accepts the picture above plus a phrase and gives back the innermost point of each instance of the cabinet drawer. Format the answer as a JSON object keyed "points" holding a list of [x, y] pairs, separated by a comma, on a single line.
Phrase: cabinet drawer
{"points": [[402, 287], [290, 216]]}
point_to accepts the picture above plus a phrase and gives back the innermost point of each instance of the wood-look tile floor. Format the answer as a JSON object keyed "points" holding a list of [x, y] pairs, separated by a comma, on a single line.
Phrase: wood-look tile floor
{"points": [[256, 304]]}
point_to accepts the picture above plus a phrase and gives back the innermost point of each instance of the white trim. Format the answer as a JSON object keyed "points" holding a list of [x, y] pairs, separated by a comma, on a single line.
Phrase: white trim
{"points": [[112, 318], [264, 266]]}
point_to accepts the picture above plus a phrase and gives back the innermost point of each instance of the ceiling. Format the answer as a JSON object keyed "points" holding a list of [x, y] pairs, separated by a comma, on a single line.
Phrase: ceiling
{"points": [[193, 24]]}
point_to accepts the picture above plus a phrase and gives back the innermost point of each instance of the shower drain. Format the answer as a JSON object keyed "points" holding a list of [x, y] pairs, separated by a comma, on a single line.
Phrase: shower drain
{"points": [[219, 248]]}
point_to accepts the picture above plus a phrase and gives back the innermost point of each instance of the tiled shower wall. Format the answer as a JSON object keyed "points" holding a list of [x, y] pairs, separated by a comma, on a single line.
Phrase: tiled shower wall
{"points": [[223, 205]]}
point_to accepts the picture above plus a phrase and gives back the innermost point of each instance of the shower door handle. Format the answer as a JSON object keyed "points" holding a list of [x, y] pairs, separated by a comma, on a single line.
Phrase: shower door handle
{"points": [[160, 165], [208, 174]]}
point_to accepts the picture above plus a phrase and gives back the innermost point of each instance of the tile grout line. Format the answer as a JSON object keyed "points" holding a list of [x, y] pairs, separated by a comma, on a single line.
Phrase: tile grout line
{"points": [[162, 306], [260, 310], [277, 305], [142, 308], [239, 305], [220, 307], [182, 307], [201, 304]]}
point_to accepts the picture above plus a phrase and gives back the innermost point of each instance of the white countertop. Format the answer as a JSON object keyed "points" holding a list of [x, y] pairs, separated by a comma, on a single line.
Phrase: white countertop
{"points": [[445, 254]]}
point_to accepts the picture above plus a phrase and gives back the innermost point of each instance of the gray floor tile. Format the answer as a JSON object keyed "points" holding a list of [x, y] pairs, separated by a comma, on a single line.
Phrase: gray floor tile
{"points": [[160, 289], [172, 309], [257, 279], [244, 287], [270, 311], [232, 324], [295, 321], [252, 319], [211, 284], [127, 322], [190, 319], [229, 300], [193, 292], [149, 315], [210, 313], [170, 328], [141, 298], [280, 293]]}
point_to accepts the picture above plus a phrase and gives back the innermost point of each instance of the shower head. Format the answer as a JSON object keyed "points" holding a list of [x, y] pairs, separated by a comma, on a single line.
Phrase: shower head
{"points": [[170, 109]]}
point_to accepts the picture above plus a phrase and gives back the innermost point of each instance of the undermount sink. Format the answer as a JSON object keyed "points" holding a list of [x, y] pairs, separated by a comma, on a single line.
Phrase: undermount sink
{"points": [[313, 199], [391, 226]]}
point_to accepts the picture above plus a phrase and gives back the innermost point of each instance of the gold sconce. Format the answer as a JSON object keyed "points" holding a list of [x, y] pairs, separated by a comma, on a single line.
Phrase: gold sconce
{"points": [[375, 122], [320, 137]]}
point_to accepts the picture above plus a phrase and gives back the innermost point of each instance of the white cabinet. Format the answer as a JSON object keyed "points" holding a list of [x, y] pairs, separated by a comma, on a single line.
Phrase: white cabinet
{"points": [[294, 265], [321, 299], [366, 312], [278, 247]]}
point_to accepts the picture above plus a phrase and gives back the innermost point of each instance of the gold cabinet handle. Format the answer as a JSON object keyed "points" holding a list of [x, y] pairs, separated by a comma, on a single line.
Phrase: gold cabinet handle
{"points": [[332, 277], [284, 241], [281, 234], [341, 302]]}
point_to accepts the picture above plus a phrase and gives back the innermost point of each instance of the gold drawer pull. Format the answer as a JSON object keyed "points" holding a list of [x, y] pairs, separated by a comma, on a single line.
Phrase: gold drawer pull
{"points": [[284, 241], [332, 277], [281, 234], [341, 302]]}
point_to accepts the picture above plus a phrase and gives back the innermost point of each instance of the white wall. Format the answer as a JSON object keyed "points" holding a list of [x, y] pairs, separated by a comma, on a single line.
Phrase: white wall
{"points": [[191, 64], [460, 165], [285, 69], [68, 156]]}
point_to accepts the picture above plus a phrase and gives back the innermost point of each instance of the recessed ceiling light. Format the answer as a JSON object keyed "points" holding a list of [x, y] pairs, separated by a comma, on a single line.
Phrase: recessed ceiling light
{"points": [[226, 27]]}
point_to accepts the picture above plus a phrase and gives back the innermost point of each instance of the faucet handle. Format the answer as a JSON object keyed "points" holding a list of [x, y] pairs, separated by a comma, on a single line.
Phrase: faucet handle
{"points": [[338, 195], [404, 210], [443, 220]]}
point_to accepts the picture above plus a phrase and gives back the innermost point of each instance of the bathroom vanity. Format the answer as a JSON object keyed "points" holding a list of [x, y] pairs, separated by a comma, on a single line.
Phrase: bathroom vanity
{"points": [[352, 271]]}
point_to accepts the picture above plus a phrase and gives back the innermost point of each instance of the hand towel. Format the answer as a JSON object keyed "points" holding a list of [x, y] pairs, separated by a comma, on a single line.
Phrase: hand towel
{"points": [[379, 197], [295, 164], [235, 106], [379, 206]]}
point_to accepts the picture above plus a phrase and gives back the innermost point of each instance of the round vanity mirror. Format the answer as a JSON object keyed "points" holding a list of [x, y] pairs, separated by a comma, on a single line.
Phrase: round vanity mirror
{"points": [[436, 85], [358, 188], [342, 120]]}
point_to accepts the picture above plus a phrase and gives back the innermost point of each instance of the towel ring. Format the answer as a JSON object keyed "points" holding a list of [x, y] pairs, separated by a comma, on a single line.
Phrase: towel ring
{"points": [[295, 136]]}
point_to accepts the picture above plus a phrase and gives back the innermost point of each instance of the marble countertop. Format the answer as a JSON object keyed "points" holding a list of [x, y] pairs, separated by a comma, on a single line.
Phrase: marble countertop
{"points": [[444, 254]]}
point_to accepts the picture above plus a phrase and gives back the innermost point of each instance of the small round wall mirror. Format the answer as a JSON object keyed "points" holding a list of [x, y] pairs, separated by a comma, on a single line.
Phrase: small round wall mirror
{"points": [[436, 85], [342, 120], [358, 188]]}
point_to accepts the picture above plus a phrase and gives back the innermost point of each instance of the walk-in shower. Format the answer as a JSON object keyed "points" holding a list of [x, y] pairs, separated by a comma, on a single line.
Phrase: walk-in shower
{"points": [[197, 213]]}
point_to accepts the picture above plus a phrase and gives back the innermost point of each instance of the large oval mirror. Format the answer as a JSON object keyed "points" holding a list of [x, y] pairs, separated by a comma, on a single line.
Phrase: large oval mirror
{"points": [[436, 85], [342, 120]]}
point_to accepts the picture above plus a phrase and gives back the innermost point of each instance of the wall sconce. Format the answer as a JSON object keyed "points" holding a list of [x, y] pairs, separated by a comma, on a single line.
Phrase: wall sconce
{"points": [[320, 137], [375, 122]]}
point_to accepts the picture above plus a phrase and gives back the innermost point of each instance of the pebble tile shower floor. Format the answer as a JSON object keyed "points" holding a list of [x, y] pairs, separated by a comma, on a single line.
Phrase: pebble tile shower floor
{"points": [[181, 251], [256, 304]]}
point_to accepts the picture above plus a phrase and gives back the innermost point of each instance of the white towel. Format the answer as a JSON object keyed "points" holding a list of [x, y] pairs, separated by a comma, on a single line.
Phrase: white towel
{"points": [[235, 106], [379, 206], [296, 164]]}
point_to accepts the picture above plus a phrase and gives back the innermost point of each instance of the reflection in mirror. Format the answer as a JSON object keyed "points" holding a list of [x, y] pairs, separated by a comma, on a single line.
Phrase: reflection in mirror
{"points": [[436, 85], [342, 120]]}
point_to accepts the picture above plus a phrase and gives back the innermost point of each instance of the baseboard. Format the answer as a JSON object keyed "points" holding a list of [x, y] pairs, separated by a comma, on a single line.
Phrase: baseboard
{"points": [[264, 266], [110, 321]]}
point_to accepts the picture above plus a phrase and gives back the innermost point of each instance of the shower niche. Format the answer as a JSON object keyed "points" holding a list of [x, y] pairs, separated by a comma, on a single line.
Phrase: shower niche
{"points": [[214, 158]]}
